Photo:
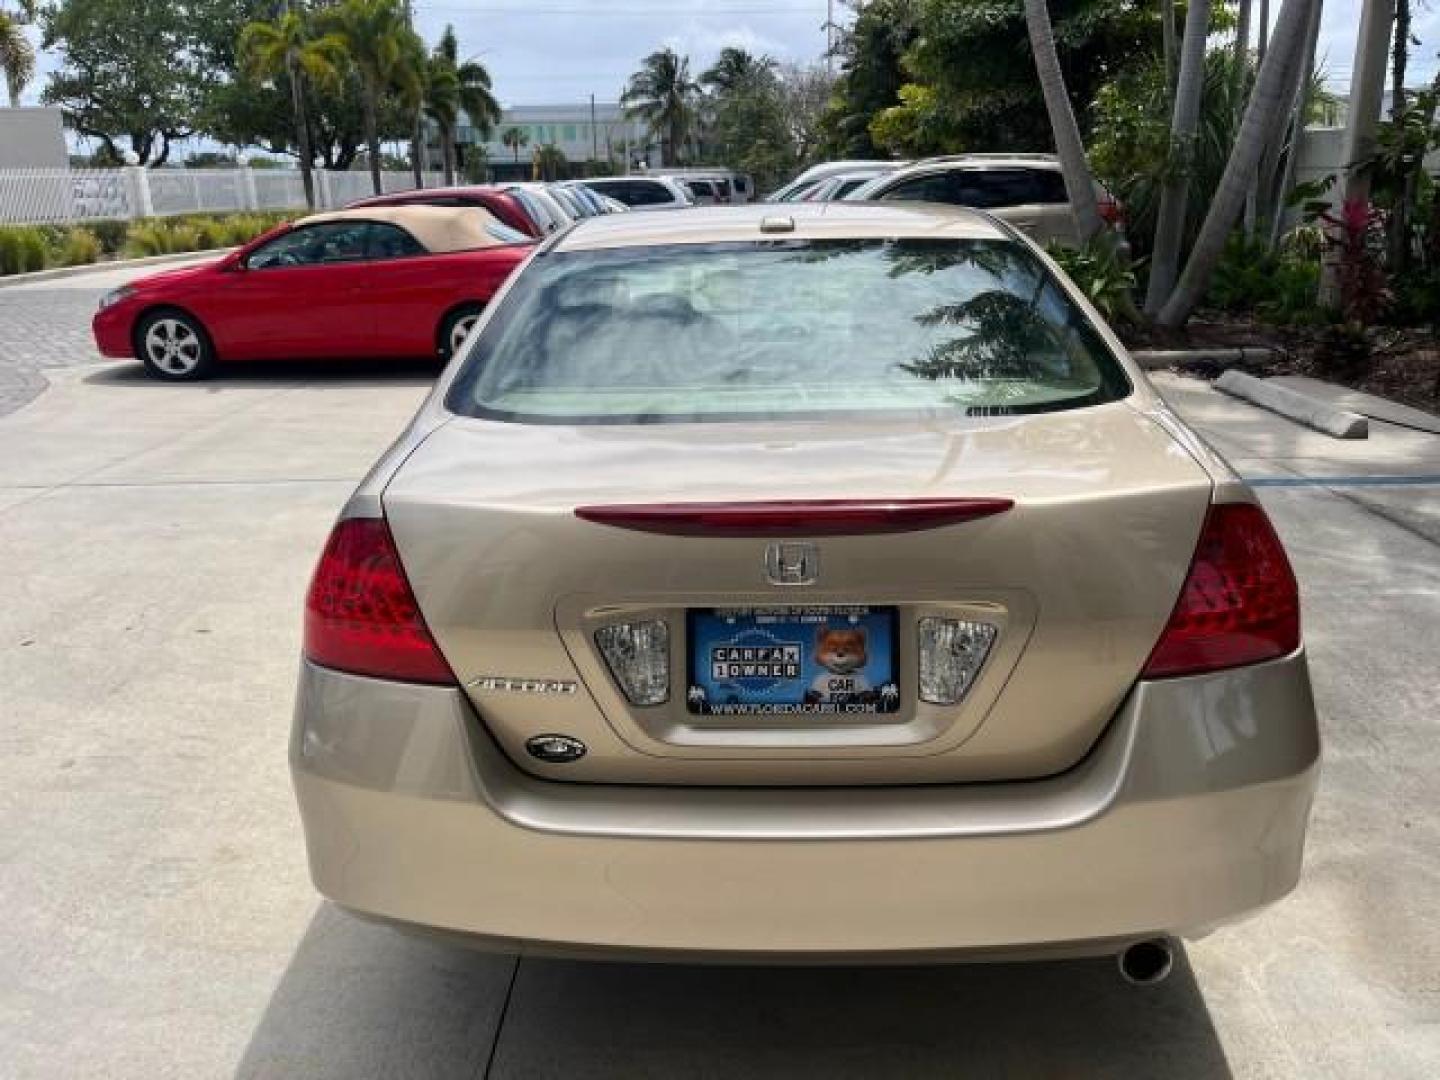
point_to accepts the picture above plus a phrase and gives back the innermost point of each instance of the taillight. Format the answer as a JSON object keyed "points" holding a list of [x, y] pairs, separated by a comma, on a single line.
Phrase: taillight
{"points": [[1239, 604], [361, 615], [1111, 212]]}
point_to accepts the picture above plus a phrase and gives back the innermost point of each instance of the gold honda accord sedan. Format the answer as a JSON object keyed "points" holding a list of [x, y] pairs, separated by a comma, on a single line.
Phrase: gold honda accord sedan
{"points": [[816, 584]]}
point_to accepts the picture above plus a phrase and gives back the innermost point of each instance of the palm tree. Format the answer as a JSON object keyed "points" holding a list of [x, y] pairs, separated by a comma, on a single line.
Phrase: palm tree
{"points": [[516, 139], [734, 68], [1079, 186], [550, 162], [378, 37], [17, 55], [662, 94], [457, 86], [289, 48], [1274, 85], [1185, 118]]}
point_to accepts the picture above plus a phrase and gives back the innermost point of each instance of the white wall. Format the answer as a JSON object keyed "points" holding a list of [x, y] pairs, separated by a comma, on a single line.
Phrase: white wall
{"points": [[31, 138]]}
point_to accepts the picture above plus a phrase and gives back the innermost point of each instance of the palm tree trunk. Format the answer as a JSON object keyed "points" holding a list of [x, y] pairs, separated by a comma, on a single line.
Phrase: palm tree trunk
{"points": [[372, 134], [1297, 125], [1274, 86], [417, 150], [302, 136], [1398, 227], [1242, 48], [1175, 195], [1267, 161], [447, 150], [1168, 42], [1078, 183]]}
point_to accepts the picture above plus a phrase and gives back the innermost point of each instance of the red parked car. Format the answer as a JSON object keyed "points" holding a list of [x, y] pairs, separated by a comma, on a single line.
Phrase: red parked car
{"points": [[506, 205], [384, 282]]}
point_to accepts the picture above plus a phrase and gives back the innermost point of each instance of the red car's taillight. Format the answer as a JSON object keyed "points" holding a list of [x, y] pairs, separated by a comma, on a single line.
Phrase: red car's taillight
{"points": [[361, 615], [1111, 212], [1239, 604]]}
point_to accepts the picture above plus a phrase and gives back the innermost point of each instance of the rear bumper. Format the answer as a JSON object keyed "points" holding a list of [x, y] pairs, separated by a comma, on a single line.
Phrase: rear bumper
{"points": [[1189, 812]]}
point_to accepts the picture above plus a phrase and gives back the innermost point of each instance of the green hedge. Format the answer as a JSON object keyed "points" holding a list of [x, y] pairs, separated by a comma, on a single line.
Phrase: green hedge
{"points": [[24, 248]]}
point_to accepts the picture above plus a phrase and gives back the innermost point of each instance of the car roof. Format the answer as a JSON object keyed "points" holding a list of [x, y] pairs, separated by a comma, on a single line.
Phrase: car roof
{"points": [[980, 161], [653, 178], [439, 228], [812, 221]]}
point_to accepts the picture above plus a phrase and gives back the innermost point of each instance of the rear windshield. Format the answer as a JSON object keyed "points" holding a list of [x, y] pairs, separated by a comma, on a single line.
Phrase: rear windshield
{"points": [[784, 330]]}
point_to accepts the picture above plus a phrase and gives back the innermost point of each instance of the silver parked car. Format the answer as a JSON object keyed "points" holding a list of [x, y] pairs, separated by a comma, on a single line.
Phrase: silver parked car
{"points": [[814, 582], [1027, 190]]}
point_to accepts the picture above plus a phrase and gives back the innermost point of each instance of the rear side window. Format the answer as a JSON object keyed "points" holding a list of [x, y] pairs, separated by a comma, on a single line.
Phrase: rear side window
{"points": [[986, 189], [785, 329], [1049, 186], [645, 193]]}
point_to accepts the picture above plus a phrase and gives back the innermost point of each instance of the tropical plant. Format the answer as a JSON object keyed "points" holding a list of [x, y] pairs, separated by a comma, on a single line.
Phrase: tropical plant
{"points": [[984, 86], [663, 95], [17, 55], [871, 52], [551, 162], [1106, 279], [289, 47], [1356, 234], [377, 36], [1266, 111], [735, 68], [1277, 286], [452, 86], [515, 140]]}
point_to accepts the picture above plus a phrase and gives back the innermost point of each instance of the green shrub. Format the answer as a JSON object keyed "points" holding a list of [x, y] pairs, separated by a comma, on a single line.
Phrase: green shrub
{"points": [[1279, 287], [1106, 279], [78, 247], [111, 233], [22, 249]]}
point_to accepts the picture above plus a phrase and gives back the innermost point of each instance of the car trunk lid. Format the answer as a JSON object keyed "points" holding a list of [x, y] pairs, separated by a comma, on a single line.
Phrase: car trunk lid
{"points": [[1090, 519]]}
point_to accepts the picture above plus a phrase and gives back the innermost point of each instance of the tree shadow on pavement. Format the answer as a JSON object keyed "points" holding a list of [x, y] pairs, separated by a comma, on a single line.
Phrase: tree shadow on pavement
{"points": [[362, 1000], [364, 372]]}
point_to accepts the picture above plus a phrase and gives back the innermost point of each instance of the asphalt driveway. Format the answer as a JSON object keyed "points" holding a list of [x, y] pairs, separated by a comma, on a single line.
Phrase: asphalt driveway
{"points": [[155, 541]]}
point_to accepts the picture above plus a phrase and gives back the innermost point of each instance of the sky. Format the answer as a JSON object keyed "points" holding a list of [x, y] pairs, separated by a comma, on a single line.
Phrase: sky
{"points": [[562, 51]]}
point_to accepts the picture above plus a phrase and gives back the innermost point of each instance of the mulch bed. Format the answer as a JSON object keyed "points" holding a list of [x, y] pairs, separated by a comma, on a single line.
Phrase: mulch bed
{"points": [[1404, 364]]}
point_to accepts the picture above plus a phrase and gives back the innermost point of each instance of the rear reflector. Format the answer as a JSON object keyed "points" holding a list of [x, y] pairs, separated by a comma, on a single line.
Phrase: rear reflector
{"points": [[952, 652], [797, 517], [361, 615], [1239, 604], [639, 657]]}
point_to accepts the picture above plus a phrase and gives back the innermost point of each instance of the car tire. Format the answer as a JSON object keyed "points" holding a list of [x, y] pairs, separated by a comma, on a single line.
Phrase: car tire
{"points": [[174, 346], [455, 327]]}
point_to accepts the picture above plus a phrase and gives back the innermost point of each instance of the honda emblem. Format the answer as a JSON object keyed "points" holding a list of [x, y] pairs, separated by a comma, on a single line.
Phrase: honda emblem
{"points": [[792, 563]]}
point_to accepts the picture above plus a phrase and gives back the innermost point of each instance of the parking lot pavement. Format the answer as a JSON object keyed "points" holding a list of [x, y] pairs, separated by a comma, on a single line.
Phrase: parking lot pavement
{"points": [[46, 325], [159, 921]]}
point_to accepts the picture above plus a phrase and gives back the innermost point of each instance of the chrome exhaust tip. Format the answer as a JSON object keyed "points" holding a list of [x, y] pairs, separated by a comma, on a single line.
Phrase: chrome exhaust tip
{"points": [[1146, 963]]}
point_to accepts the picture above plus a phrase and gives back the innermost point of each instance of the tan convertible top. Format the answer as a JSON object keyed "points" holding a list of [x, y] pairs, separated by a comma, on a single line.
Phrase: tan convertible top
{"points": [[438, 228]]}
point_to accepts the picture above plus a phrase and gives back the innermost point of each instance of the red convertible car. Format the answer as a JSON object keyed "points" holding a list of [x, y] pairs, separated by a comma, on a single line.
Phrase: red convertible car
{"points": [[381, 282]]}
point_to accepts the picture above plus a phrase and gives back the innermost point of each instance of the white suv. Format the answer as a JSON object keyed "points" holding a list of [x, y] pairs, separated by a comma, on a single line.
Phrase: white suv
{"points": [[1027, 190]]}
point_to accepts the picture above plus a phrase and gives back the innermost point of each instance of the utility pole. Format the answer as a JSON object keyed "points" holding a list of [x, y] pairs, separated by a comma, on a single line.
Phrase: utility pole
{"points": [[1367, 88], [594, 133]]}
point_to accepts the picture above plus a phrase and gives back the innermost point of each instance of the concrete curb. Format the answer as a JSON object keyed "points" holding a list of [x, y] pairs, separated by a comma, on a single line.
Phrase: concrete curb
{"points": [[1294, 405], [1154, 359], [115, 264]]}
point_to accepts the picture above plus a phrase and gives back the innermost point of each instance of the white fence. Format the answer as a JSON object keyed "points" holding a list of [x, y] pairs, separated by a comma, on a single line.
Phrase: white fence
{"points": [[34, 196]]}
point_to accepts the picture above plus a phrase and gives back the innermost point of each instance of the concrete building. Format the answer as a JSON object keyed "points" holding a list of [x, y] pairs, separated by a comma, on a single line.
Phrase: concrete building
{"points": [[32, 138], [581, 132]]}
